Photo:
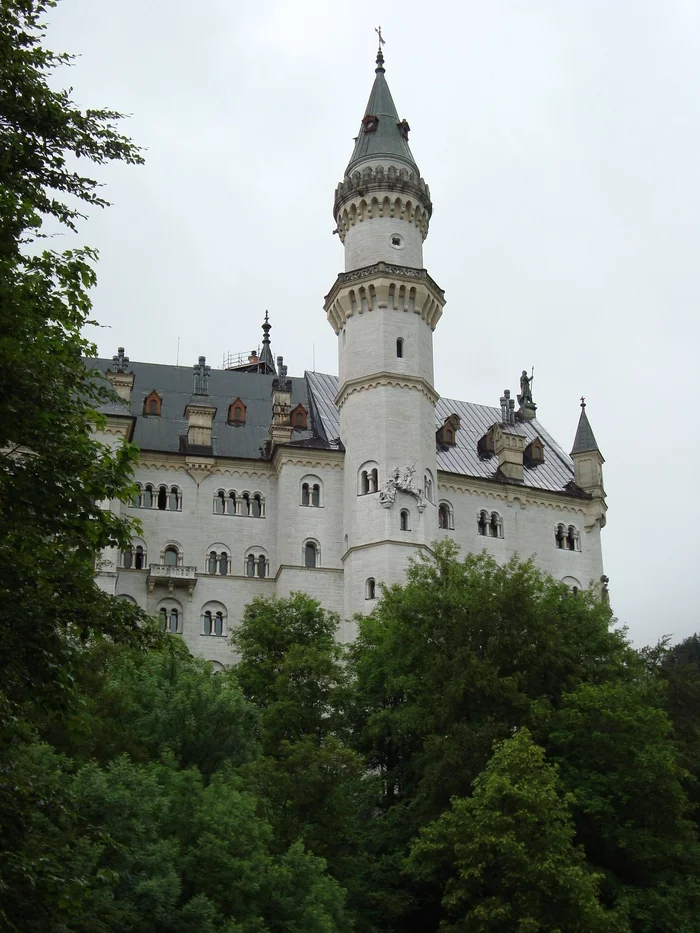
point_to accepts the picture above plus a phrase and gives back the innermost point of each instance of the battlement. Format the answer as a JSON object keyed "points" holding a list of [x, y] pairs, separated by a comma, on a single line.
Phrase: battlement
{"points": [[373, 179]]}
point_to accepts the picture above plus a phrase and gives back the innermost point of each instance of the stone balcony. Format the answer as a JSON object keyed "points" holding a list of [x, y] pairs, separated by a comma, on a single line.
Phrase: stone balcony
{"points": [[165, 575]]}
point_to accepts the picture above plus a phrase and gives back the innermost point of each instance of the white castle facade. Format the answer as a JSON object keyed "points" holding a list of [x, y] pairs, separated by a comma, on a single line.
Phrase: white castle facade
{"points": [[255, 483]]}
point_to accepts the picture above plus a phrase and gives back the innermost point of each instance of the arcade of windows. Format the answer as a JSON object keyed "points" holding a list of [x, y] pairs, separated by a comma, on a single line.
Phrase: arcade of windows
{"points": [[311, 493], [171, 620], [213, 622], [165, 498], [490, 524], [257, 565], [567, 538], [233, 503], [369, 480]]}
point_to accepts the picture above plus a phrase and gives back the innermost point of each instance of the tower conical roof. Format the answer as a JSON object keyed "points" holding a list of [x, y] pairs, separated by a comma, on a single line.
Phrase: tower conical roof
{"points": [[389, 140], [585, 439]]}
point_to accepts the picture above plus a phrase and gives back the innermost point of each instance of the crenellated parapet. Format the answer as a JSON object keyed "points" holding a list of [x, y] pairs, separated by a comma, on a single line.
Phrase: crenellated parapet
{"points": [[382, 286], [379, 192]]}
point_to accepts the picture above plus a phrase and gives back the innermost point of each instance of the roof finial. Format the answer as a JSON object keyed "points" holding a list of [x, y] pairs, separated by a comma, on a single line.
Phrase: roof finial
{"points": [[583, 402], [380, 55]]}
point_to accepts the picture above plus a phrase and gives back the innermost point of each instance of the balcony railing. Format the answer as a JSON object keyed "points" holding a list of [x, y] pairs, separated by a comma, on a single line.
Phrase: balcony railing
{"points": [[165, 575]]}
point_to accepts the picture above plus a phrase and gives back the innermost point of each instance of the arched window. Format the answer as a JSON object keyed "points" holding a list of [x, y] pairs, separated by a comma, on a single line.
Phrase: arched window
{"points": [[153, 407], [174, 500], [139, 558], [404, 520], [495, 525], [311, 491], [152, 403], [316, 495], [299, 419], [449, 436], [162, 501], [370, 588], [170, 556], [219, 502], [572, 538], [231, 503], [483, 523], [256, 505], [136, 498], [219, 623], [560, 537], [212, 563], [262, 566], [213, 619], [250, 565], [207, 623], [428, 486], [310, 554], [304, 493], [164, 619], [374, 480], [443, 516], [148, 497], [174, 619], [364, 483], [399, 348], [223, 564], [128, 558], [245, 504]]}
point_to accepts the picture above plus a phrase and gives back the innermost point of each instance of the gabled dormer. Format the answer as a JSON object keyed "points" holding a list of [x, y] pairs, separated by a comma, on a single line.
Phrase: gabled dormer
{"points": [[447, 434], [237, 412], [533, 454], [299, 417], [152, 404]]}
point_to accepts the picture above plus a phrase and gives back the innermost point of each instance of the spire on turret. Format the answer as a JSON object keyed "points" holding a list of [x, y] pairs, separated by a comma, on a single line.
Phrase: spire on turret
{"points": [[267, 361], [382, 135], [585, 441]]}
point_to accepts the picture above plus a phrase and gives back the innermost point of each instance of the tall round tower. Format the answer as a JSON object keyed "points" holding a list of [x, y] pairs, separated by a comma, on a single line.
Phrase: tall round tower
{"points": [[383, 309]]}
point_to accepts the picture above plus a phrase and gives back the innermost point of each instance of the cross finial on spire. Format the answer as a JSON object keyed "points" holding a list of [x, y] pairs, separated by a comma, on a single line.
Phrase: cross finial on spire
{"points": [[583, 402], [380, 55]]}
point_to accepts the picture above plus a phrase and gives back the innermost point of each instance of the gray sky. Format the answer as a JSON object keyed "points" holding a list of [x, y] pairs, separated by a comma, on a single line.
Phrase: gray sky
{"points": [[560, 142]]}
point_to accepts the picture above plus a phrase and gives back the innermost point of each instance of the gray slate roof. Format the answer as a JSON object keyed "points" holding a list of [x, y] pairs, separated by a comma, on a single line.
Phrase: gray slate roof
{"points": [[174, 385], [553, 475], [316, 392], [386, 142]]}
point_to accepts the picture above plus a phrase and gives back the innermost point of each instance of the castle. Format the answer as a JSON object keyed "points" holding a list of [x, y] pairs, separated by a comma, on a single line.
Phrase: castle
{"points": [[252, 482]]}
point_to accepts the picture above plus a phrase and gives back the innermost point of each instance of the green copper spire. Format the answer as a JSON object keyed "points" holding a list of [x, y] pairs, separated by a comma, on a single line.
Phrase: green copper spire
{"points": [[382, 135], [585, 439]]}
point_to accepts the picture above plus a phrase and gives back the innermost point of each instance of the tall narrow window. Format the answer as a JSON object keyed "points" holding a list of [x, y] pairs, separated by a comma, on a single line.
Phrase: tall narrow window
{"points": [[164, 617], [148, 497], [483, 523], [173, 620], [245, 506], [560, 536], [399, 348], [231, 504], [495, 525], [223, 564], [257, 505], [162, 498], [212, 562], [310, 554], [219, 500], [374, 480], [219, 623], [404, 520], [316, 495], [443, 517], [173, 499], [250, 565], [305, 494], [364, 483], [128, 558], [170, 557], [207, 623], [139, 558], [572, 538], [370, 589], [136, 500], [262, 566]]}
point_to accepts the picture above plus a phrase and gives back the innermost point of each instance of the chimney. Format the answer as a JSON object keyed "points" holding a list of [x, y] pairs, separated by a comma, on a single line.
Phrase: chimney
{"points": [[199, 411], [509, 442], [122, 381], [281, 426]]}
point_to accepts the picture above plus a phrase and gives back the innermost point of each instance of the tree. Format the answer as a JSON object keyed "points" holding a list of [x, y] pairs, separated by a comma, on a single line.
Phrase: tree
{"points": [[505, 857], [315, 785], [617, 759], [54, 475]]}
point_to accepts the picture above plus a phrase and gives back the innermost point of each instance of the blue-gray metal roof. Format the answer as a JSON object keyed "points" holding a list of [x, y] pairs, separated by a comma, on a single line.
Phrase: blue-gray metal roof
{"points": [[585, 439], [174, 384], [552, 475]]}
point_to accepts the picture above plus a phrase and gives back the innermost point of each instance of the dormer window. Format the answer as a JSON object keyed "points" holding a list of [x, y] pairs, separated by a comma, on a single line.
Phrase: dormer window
{"points": [[534, 453], [447, 434], [299, 417], [236, 412], [152, 404], [484, 445], [370, 123]]}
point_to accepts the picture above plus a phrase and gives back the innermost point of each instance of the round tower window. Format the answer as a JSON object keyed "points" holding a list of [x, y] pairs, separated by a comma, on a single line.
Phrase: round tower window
{"points": [[396, 241]]}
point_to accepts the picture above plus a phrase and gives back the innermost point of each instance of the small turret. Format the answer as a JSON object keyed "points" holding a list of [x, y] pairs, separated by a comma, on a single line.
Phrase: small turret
{"points": [[588, 460]]}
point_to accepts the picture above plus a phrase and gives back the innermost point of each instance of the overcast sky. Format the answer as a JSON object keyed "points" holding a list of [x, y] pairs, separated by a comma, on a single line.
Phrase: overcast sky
{"points": [[560, 142]]}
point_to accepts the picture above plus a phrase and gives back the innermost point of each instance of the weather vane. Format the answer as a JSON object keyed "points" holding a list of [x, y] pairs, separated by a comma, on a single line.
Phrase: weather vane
{"points": [[378, 30]]}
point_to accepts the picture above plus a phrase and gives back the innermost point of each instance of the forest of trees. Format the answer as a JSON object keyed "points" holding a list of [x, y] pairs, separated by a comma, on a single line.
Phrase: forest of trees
{"points": [[491, 755]]}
